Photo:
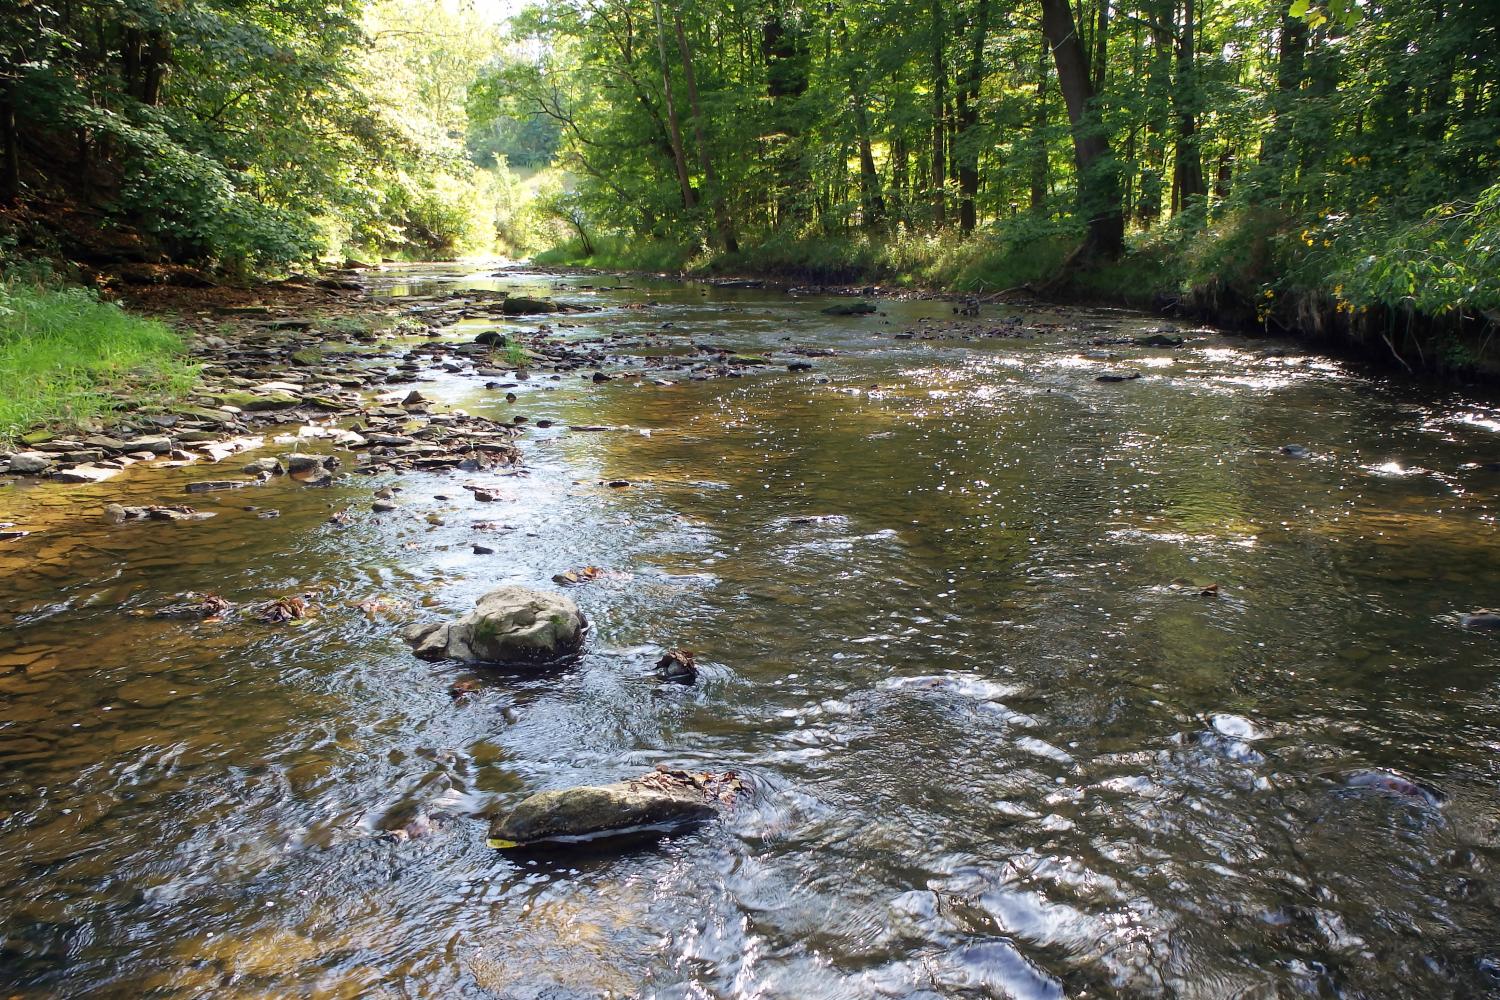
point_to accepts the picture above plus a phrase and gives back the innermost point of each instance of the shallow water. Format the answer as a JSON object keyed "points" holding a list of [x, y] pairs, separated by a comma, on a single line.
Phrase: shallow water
{"points": [[993, 751]]}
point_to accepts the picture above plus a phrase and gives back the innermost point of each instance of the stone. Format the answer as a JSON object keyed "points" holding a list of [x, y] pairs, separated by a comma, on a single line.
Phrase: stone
{"points": [[85, 474], [383, 506], [491, 338], [850, 309], [118, 514], [663, 800], [524, 305], [251, 402], [509, 625], [1295, 451], [677, 666], [305, 464], [214, 485], [30, 463], [265, 467], [1481, 619], [155, 445], [1123, 375]]}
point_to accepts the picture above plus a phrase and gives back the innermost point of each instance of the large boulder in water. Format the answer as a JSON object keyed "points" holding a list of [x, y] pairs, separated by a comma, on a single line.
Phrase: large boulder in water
{"points": [[508, 625], [662, 800]]}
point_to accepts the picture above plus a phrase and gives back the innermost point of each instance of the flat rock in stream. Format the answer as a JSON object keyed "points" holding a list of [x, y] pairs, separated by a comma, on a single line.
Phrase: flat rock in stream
{"points": [[525, 305], [509, 625], [661, 800]]}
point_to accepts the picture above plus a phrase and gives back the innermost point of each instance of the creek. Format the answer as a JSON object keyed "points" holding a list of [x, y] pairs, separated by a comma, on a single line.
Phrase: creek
{"points": [[1040, 686]]}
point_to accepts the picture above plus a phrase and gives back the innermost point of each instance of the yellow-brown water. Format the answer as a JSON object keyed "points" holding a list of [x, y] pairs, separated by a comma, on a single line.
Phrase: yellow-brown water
{"points": [[993, 750]]}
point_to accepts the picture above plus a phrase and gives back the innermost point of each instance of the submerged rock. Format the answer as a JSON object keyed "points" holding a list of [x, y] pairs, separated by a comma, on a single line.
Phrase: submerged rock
{"points": [[507, 626], [118, 513], [662, 800], [1481, 619], [1295, 451], [849, 309], [1122, 375]]}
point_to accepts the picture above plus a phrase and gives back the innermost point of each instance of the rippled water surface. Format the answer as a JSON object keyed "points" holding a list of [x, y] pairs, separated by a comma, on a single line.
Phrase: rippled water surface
{"points": [[946, 598]]}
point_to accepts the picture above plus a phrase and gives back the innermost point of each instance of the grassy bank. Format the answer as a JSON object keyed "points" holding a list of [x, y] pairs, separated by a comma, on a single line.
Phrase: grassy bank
{"points": [[67, 358]]}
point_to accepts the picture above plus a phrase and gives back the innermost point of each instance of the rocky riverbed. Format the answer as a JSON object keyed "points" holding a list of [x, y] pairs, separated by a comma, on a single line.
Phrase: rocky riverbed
{"points": [[939, 668]]}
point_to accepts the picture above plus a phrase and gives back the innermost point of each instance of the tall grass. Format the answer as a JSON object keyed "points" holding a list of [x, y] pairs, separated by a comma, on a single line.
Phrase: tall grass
{"points": [[66, 357]]}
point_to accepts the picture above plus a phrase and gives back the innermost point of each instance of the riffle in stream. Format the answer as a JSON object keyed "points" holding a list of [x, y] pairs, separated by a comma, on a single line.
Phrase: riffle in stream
{"points": [[954, 609]]}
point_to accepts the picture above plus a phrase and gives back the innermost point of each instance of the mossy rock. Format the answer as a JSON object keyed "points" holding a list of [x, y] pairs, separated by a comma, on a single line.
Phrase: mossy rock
{"points": [[251, 401], [308, 356]]}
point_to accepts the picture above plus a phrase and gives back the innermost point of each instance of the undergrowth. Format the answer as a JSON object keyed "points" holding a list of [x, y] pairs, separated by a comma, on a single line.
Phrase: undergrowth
{"points": [[66, 357]]}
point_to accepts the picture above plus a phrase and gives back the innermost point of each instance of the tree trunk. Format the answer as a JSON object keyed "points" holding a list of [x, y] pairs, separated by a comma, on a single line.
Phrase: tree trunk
{"points": [[723, 224], [674, 128], [967, 147], [1187, 178], [10, 170], [1098, 177], [872, 203], [939, 167], [1039, 131], [1289, 73]]}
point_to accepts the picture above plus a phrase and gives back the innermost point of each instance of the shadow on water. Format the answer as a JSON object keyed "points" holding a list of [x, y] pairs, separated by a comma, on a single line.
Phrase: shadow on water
{"points": [[947, 598]]}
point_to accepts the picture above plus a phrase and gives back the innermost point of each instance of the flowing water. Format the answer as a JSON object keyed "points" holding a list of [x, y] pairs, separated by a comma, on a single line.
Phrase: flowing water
{"points": [[945, 595]]}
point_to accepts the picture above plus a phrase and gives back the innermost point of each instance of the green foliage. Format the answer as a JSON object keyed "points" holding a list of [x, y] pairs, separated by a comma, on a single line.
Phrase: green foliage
{"points": [[1447, 261], [66, 357]]}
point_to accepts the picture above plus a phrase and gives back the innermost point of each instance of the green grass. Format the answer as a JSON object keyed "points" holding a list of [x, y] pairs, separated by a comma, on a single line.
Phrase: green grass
{"points": [[66, 358]]}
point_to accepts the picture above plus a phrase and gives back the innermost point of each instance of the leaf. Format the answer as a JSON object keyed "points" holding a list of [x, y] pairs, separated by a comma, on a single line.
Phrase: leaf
{"points": [[1299, 8]]}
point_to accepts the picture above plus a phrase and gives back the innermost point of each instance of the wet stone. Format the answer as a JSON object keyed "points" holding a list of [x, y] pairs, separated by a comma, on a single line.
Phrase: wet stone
{"points": [[662, 800], [509, 625]]}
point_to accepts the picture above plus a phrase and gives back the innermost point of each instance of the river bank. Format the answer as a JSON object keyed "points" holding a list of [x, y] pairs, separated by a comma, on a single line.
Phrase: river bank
{"points": [[1035, 679], [1427, 312]]}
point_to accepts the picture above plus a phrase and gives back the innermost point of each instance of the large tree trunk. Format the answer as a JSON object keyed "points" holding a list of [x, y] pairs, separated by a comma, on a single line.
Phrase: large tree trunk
{"points": [[674, 128], [967, 146], [723, 224], [939, 74], [1098, 176]]}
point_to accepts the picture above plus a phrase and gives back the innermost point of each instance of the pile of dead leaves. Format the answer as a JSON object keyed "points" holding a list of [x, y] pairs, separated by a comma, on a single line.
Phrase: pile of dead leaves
{"points": [[584, 574], [722, 788], [286, 609]]}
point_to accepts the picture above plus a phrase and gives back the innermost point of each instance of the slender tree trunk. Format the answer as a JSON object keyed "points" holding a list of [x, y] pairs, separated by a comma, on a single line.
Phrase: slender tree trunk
{"points": [[723, 224], [939, 100], [1098, 177], [10, 170], [967, 147], [674, 128], [872, 203], [1187, 181], [1039, 131], [1101, 47], [1289, 74]]}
